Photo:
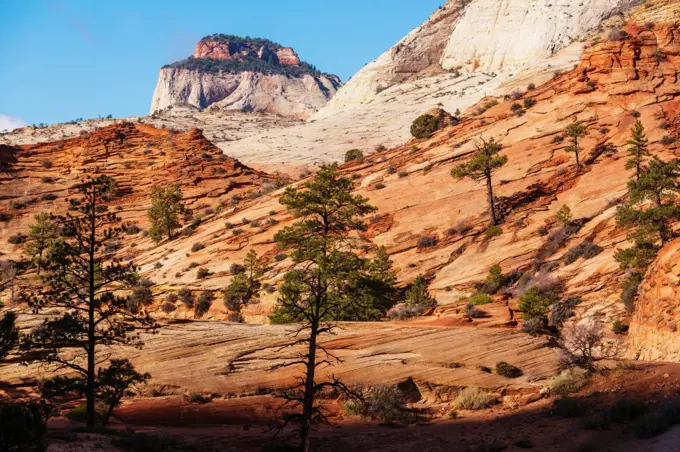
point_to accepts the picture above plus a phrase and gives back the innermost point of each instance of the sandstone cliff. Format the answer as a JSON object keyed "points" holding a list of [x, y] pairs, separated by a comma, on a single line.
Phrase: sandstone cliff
{"points": [[244, 74]]}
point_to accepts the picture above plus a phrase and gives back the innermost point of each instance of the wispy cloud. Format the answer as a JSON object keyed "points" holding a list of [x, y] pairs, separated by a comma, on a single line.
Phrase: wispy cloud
{"points": [[73, 20], [8, 122]]}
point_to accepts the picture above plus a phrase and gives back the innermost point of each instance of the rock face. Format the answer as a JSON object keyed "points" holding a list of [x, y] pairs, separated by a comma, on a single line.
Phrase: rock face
{"points": [[654, 334], [244, 74]]}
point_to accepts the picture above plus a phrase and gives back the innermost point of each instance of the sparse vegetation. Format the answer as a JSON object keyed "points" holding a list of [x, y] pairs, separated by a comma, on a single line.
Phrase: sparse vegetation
{"points": [[353, 154], [472, 398], [567, 382], [508, 370], [575, 131], [166, 207]]}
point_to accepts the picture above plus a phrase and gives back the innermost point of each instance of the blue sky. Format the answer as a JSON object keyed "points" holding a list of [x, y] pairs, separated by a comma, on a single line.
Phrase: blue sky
{"points": [[65, 59]]}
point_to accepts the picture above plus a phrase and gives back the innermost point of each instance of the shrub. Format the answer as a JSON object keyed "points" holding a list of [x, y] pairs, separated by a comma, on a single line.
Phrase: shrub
{"points": [[391, 170], [24, 426], [664, 125], [17, 205], [533, 326], [560, 311], [132, 229], [379, 186], [353, 154], [586, 249], [187, 297], [619, 328], [5, 217], [453, 414], [493, 231], [198, 246], [508, 370], [472, 311], [424, 126], [667, 140], [516, 107], [203, 273], [237, 232], [531, 87], [472, 398], [427, 241], [495, 279], [402, 174], [353, 408], [564, 216], [46, 164], [204, 303], [530, 102], [566, 382], [171, 298], [617, 34], [168, 307], [48, 197], [47, 180], [480, 299], [235, 269], [386, 403], [17, 239]]}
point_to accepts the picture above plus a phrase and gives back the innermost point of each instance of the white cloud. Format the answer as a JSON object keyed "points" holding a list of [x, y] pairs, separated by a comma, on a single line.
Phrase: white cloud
{"points": [[10, 122]]}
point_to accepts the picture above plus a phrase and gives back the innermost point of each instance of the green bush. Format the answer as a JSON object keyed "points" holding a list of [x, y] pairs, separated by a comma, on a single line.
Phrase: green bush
{"points": [[508, 370], [493, 231], [480, 299], [567, 382], [619, 328], [353, 408], [533, 305], [424, 126], [353, 154], [473, 399]]}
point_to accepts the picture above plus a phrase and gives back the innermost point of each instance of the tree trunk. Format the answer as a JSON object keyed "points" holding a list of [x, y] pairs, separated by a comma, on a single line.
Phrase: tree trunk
{"points": [[308, 405], [91, 321], [492, 208]]}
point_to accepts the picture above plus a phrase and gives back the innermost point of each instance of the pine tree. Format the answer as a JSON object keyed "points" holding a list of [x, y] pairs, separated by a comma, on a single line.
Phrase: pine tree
{"points": [[575, 131], [84, 282], [41, 237], [637, 149], [659, 185], [417, 294], [245, 286], [371, 290], [314, 293], [481, 166], [9, 334], [166, 207]]}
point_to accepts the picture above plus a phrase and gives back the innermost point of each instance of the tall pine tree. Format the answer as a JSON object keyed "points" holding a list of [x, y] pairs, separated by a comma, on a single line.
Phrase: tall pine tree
{"points": [[87, 284], [637, 149]]}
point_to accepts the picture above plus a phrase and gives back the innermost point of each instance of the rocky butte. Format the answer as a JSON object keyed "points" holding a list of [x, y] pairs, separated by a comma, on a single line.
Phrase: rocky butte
{"points": [[248, 74]]}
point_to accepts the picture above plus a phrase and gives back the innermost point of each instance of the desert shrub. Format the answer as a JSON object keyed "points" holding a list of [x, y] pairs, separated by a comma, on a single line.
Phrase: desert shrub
{"points": [[157, 265], [453, 414], [278, 257], [493, 231], [255, 224], [584, 344], [619, 328], [533, 326], [391, 170], [472, 311], [566, 382], [567, 407], [586, 249], [141, 295], [560, 310], [46, 164], [417, 295], [379, 186], [424, 126], [516, 94], [516, 107], [529, 102], [132, 229], [187, 297], [168, 307], [5, 217], [472, 398], [171, 298], [494, 280], [47, 180], [353, 408], [17, 239], [24, 426], [480, 299], [353, 154], [664, 125], [402, 174], [237, 232], [557, 139], [198, 398], [531, 87], [427, 241], [48, 197], [193, 265], [386, 403], [629, 290], [235, 269], [604, 130], [617, 34], [204, 303], [17, 205], [564, 216], [203, 273], [508, 370], [198, 246], [667, 140]]}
